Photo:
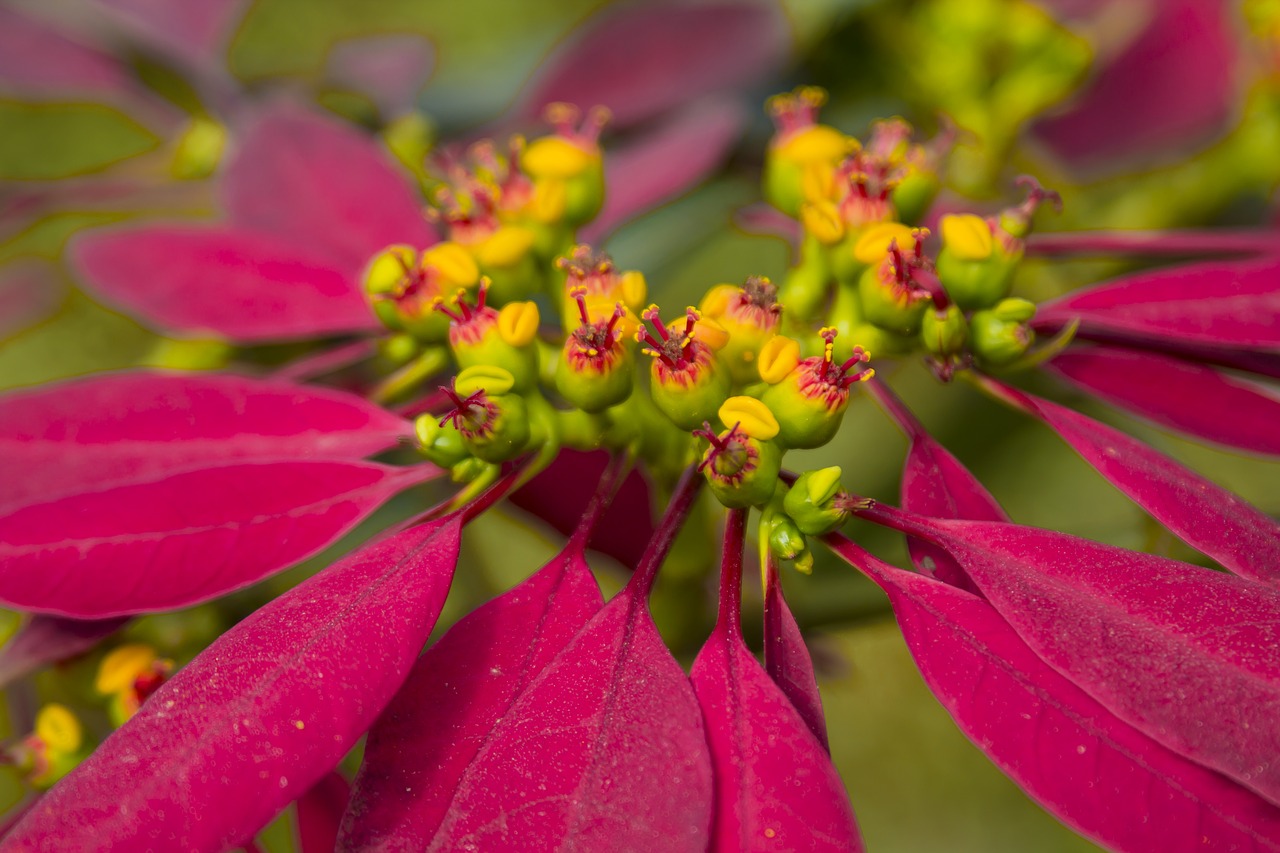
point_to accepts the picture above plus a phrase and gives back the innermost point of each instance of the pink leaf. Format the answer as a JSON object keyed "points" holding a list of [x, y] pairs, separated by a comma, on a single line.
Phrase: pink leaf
{"points": [[30, 291], [1262, 363], [229, 282], [605, 750], [559, 495], [458, 692], [1179, 394], [1094, 772], [1231, 304], [1203, 514], [142, 425], [666, 162], [1184, 654], [49, 639], [786, 658], [320, 813], [1172, 86], [184, 538], [37, 60], [935, 483], [319, 183], [389, 68], [775, 786], [186, 28], [645, 59], [262, 714]]}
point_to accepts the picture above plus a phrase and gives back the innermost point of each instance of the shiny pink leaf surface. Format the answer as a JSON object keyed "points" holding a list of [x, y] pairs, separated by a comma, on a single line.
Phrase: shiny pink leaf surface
{"points": [[1165, 646], [457, 693], [560, 494], [666, 162], [141, 425], [1171, 86], [1206, 516], [1231, 304], [787, 660], [1190, 398], [320, 183], [181, 539], [645, 59], [1093, 771], [775, 785], [259, 716], [227, 282], [44, 640]]}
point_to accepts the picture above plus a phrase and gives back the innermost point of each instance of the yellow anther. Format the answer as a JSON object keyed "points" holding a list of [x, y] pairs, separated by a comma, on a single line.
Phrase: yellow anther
{"points": [[711, 333], [518, 323], [506, 247], [121, 667], [633, 289], [874, 242], [778, 357], [454, 263], [716, 302], [752, 417], [967, 237], [488, 378], [58, 728], [822, 220]]}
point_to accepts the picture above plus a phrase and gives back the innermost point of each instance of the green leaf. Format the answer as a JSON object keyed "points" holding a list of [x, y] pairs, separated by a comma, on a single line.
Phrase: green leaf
{"points": [[51, 141]]}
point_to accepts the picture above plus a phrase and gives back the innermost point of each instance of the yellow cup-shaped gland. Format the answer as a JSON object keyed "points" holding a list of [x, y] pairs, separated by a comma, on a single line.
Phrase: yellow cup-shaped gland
{"points": [[568, 180], [58, 729], [973, 269], [810, 401], [507, 258], [800, 166], [199, 149], [742, 463], [750, 415], [403, 286], [822, 220], [482, 337], [778, 357], [122, 666]]}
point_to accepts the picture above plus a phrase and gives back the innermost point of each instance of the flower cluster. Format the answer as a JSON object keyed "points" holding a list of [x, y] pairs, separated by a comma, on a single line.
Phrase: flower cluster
{"points": [[1133, 695]]}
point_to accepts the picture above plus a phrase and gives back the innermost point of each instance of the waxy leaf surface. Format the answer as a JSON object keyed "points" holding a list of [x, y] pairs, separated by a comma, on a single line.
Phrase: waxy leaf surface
{"points": [[1232, 304], [231, 282], [1188, 397], [48, 639], [1093, 771], [262, 714], [1165, 646], [775, 785], [134, 426], [184, 538], [457, 693], [317, 182], [666, 162], [1203, 514], [787, 660], [604, 751], [643, 60]]}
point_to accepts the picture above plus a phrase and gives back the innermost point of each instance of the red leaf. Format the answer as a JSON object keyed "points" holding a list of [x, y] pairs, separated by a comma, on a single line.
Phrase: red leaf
{"points": [[30, 291], [666, 162], [643, 60], [184, 538], [458, 692], [1203, 514], [319, 183], [197, 29], [143, 425], [37, 60], [1094, 772], [1179, 394], [320, 813], [49, 639], [233, 283], [1183, 654], [605, 750], [262, 714], [1231, 304], [388, 68], [559, 496], [775, 784], [786, 658]]}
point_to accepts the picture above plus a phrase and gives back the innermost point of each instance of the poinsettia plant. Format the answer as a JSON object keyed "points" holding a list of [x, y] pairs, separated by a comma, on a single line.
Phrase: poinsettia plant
{"points": [[471, 343]]}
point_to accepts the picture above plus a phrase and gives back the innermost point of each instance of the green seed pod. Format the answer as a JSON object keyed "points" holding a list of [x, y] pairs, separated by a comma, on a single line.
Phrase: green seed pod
{"points": [[944, 333], [686, 380], [441, 444], [809, 401], [811, 502]]}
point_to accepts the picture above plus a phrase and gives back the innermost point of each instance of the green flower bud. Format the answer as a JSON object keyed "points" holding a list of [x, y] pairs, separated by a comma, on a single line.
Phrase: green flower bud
{"points": [[913, 195], [996, 341], [1015, 310], [741, 470], [801, 162], [750, 315], [810, 400], [494, 425], [811, 502], [786, 541], [199, 149], [973, 266], [440, 442], [686, 381], [480, 337], [595, 369], [567, 168], [404, 288], [944, 333], [891, 299], [410, 138]]}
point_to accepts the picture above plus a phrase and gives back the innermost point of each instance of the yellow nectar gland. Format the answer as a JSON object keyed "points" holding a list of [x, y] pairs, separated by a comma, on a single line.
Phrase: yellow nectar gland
{"points": [[778, 357], [58, 729], [967, 237], [518, 323], [122, 666], [752, 417]]}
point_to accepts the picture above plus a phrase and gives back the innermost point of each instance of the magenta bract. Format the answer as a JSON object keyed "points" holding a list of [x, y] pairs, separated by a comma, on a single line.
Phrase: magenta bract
{"points": [[1163, 645], [1188, 397], [458, 692], [1203, 514], [48, 639], [1095, 772], [262, 714], [126, 427], [186, 537], [787, 660]]}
